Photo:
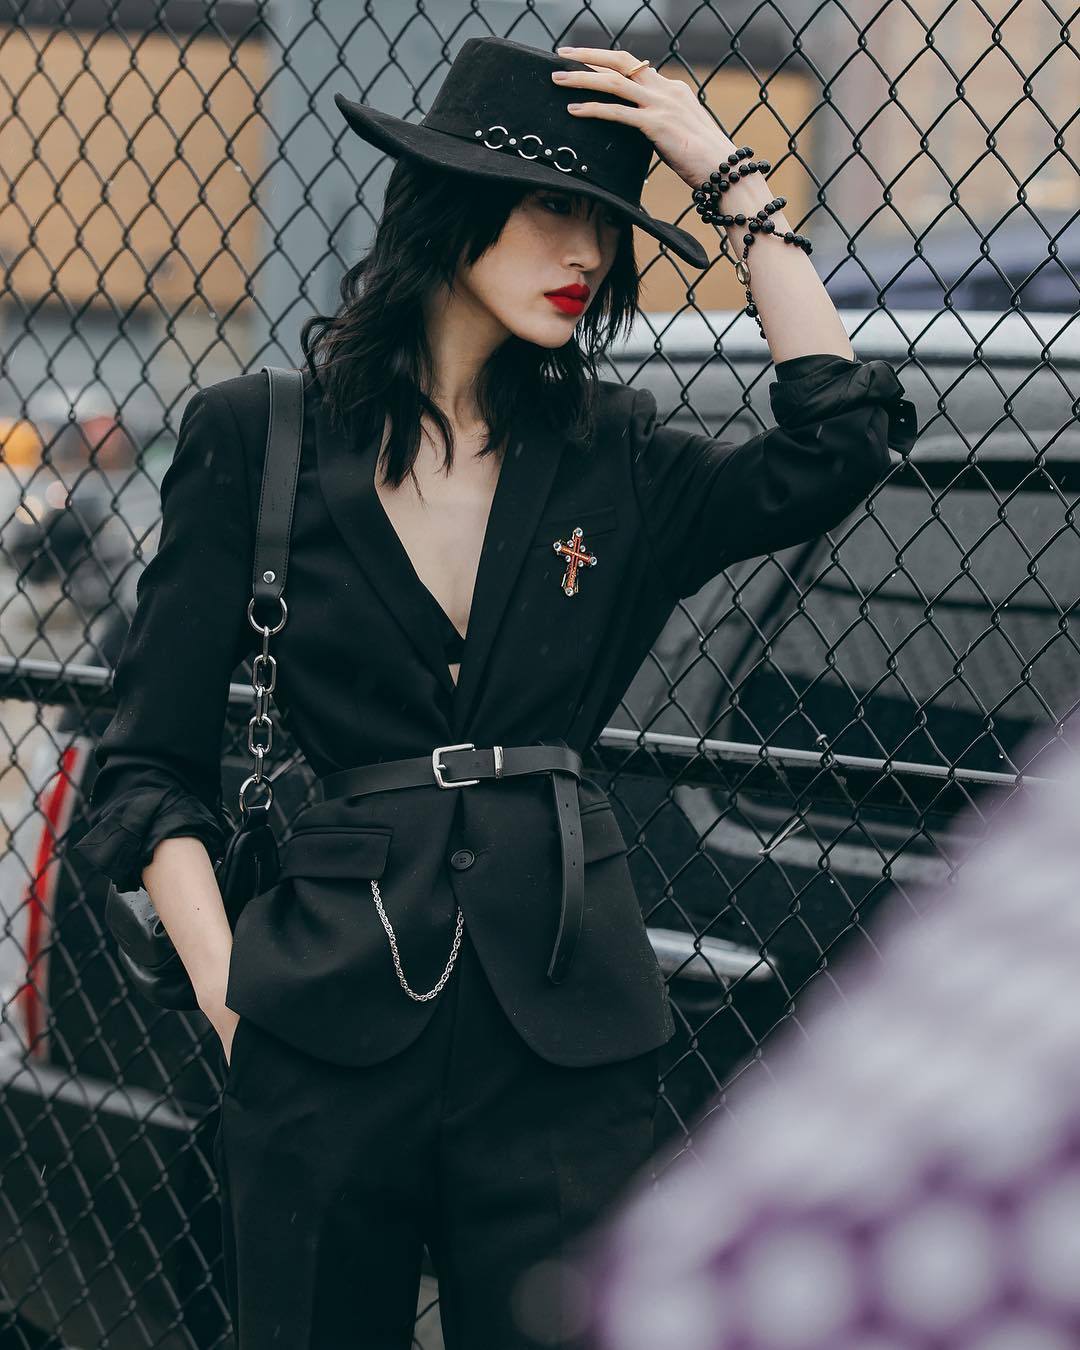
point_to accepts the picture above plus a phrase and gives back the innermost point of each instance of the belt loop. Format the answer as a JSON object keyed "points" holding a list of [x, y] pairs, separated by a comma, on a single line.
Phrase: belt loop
{"points": [[498, 760]]}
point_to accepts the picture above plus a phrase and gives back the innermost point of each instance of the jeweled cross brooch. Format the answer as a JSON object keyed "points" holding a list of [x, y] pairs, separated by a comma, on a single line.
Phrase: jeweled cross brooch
{"points": [[576, 554]]}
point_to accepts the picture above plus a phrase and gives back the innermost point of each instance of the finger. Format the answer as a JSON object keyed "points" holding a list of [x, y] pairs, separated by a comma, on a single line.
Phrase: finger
{"points": [[613, 60], [609, 80], [611, 112]]}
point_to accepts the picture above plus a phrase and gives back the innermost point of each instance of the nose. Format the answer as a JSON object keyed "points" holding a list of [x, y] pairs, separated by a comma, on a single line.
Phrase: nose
{"points": [[583, 248]]}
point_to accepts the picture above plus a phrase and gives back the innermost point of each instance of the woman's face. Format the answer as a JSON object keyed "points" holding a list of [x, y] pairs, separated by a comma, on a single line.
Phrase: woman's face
{"points": [[553, 238]]}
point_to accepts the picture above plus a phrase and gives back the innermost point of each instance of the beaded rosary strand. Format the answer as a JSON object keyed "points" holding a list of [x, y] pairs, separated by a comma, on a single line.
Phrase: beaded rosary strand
{"points": [[707, 204]]}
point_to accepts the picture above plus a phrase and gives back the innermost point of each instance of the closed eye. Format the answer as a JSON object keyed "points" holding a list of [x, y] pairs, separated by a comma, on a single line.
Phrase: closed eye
{"points": [[562, 206]]}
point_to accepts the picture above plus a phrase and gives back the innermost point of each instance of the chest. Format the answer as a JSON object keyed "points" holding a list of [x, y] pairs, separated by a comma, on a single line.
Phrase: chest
{"points": [[441, 520], [375, 573]]}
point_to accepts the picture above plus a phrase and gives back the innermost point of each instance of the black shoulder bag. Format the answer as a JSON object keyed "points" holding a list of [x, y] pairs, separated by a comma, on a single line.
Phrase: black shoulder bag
{"points": [[249, 864]]}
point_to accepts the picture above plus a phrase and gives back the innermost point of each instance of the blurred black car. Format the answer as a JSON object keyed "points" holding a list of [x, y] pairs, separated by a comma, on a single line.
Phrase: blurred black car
{"points": [[1028, 262], [58, 494]]}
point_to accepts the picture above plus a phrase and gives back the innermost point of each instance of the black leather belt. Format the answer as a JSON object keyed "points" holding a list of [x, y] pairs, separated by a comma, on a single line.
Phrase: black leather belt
{"points": [[470, 765]]}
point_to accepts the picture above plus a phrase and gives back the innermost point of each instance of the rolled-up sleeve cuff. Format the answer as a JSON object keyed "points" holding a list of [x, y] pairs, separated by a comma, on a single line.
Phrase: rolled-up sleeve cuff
{"points": [[121, 843], [823, 387]]}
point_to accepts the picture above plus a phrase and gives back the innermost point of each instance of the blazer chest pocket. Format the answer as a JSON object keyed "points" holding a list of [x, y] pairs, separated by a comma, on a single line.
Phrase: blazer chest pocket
{"points": [[336, 851], [594, 521]]}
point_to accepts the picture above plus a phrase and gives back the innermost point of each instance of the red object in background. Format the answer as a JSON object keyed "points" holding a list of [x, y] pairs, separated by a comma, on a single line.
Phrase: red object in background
{"points": [[107, 440], [31, 999]]}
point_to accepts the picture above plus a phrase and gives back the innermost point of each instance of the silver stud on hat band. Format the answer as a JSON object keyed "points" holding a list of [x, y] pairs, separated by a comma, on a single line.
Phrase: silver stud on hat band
{"points": [[531, 136]]}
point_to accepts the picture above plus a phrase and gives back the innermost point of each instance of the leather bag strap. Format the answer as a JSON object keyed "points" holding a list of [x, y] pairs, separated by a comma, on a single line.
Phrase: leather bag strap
{"points": [[284, 436]]}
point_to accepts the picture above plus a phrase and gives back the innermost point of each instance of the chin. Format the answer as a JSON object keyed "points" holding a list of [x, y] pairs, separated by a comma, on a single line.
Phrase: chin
{"points": [[553, 343], [550, 335]]}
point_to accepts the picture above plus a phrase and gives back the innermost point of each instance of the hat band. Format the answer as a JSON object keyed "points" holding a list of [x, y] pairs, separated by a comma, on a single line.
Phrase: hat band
{"points": [[503, 140], [527, 145]]}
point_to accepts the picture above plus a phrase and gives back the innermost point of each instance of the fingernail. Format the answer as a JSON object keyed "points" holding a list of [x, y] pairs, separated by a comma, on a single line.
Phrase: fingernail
{"points": [[573, 107]]}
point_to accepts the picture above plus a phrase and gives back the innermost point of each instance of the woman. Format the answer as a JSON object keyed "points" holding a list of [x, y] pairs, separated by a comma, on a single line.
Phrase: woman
{"points": [[442, 1024]]}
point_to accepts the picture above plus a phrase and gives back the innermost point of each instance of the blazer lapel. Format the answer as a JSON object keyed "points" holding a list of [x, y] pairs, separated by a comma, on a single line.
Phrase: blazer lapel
{"points": [[347, 479], [533, 454]]}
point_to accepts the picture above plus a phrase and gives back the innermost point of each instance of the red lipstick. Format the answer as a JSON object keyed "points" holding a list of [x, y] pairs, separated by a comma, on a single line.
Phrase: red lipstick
{"points": [[569, 299]]}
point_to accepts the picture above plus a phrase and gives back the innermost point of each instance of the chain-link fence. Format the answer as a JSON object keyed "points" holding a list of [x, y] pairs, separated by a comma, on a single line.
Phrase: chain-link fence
{"points": [[179, 194]]}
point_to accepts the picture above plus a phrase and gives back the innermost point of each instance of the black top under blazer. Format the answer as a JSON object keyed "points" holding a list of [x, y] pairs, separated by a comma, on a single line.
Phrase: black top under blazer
{"points": [[363, 677]]}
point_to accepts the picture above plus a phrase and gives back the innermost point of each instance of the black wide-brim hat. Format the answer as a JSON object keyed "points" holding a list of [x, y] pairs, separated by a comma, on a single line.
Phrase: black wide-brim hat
{"points": [[499, 114]]}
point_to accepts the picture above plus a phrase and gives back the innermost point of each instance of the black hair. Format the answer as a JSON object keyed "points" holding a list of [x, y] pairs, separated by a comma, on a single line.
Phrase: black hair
{"points": [[371, 359]]}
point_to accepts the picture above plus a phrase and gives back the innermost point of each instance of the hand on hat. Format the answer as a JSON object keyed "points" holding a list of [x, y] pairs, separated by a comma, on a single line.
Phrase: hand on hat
{"points": [[685, 135]]}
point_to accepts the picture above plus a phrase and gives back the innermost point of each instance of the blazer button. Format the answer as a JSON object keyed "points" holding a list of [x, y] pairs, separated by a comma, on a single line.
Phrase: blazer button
{"points": [[462, 858]]}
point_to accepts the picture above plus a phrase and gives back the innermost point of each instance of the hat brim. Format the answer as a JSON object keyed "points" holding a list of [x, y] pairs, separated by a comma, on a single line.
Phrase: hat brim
{"points": [[396, 136]]}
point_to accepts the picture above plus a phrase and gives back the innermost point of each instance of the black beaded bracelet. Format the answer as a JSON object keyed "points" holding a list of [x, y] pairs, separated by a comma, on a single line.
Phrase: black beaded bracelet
{"points": [[707, 203]]}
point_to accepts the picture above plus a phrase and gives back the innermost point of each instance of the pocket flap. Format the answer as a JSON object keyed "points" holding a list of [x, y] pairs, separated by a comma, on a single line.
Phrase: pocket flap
{"points": [[336, 851], [600, 833], [595, 520]]}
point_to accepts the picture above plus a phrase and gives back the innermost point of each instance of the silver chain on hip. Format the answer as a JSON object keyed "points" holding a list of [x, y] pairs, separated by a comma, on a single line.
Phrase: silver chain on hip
{"points": [[420, 998]]}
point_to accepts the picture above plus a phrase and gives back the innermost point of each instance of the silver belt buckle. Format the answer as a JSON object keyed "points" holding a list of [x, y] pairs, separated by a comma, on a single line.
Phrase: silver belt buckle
{"points": [[437, 766]]}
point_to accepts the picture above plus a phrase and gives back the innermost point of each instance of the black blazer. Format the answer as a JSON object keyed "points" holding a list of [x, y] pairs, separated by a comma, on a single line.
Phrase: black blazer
{"points": [[363, 677]]}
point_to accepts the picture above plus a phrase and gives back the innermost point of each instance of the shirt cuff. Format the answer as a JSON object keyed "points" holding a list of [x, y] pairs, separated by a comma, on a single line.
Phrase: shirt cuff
{"points": [[826, 386], [121, 844], [826, 364]]}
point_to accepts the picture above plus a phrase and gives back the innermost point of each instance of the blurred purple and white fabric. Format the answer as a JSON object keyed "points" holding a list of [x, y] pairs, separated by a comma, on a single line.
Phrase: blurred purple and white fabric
{"points": [[909, 1177]]}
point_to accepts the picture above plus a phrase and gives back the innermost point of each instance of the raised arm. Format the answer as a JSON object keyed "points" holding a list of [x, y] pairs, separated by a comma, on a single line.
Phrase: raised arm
{"points": [[707, 503]]}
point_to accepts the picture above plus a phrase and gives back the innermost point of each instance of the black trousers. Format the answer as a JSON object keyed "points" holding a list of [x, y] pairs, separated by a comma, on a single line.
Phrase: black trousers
{"points": [[334, 1178]]}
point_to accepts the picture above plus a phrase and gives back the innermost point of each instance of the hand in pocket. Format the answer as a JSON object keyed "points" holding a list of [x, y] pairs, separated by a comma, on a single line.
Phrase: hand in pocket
{"points": [[225, 1023], [234, 1019]]}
